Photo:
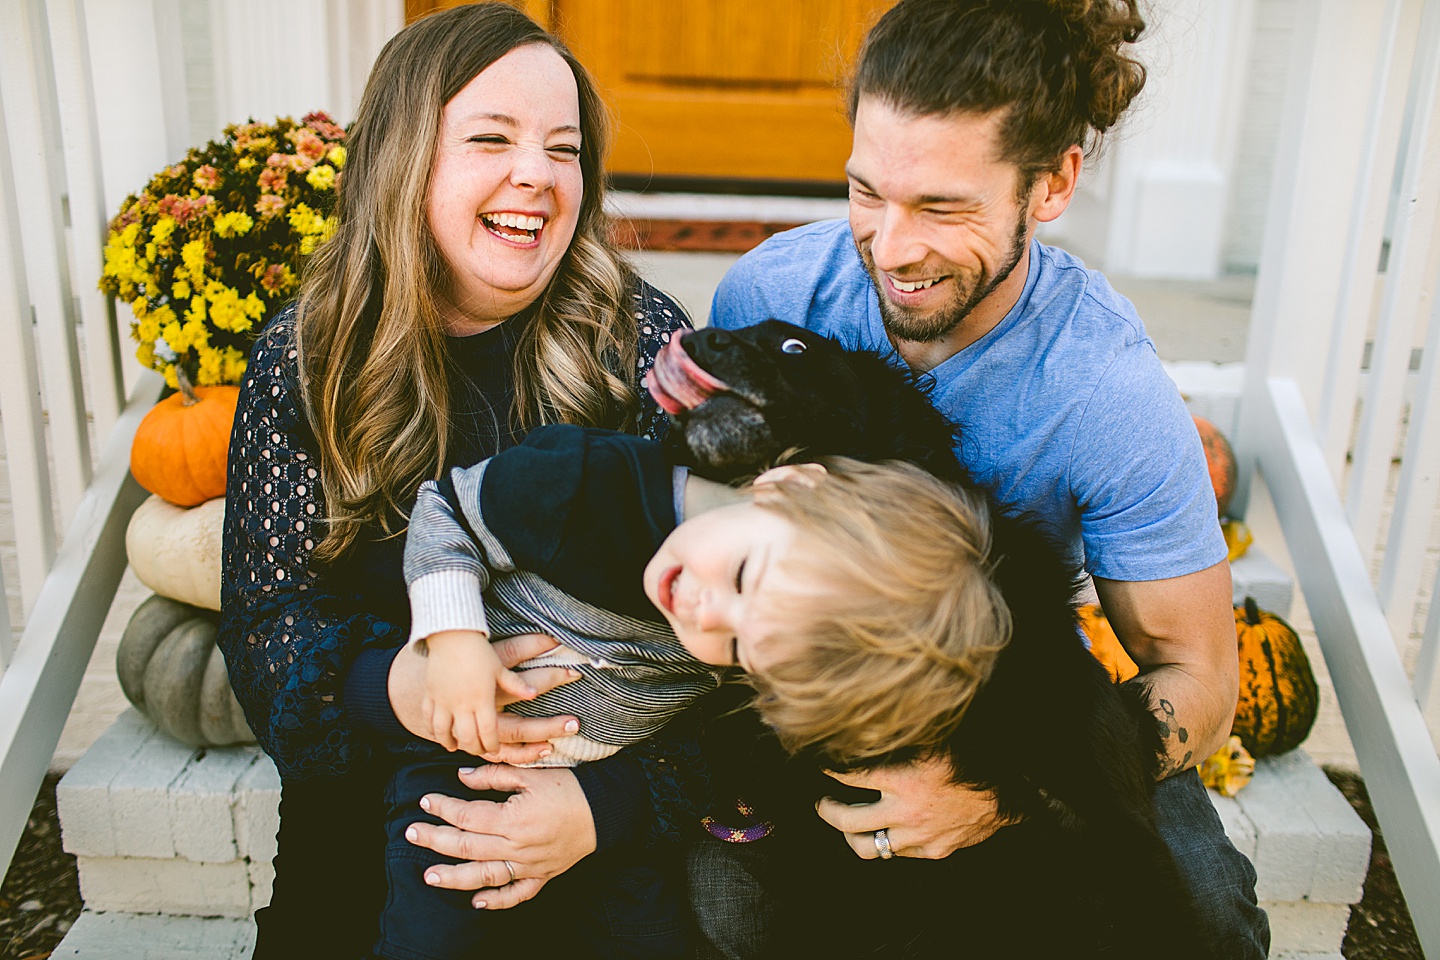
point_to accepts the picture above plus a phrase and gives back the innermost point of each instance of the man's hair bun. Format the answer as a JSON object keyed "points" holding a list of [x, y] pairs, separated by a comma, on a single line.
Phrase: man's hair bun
{"points": [[1060, 70]]}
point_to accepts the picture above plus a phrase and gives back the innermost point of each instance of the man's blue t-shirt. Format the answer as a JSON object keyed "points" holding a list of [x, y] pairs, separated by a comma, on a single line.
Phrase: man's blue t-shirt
{"points": [[1064, 409]]}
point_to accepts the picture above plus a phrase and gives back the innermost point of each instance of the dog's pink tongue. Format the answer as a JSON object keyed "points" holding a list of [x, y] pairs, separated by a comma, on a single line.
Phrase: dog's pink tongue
{"points": [[677, 382]]}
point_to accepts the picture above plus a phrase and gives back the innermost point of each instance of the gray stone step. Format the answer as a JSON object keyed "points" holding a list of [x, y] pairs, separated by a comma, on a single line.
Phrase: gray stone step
{"points": [[159, 828]]}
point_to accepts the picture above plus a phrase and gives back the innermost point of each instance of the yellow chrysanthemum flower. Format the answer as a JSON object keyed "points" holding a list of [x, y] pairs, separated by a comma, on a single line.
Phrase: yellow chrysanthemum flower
{"points": [[174, 333], [196, 312], [337, 155], [209, 373], [237, 223], [193, 256], [163, 228], [180, 290], [304, 220], [147, 329], [232, 366], [321, 177]]}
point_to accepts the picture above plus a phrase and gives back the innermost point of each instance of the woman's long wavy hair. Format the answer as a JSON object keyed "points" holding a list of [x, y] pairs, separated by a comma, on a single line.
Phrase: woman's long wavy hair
{"points": [[374, 367]]}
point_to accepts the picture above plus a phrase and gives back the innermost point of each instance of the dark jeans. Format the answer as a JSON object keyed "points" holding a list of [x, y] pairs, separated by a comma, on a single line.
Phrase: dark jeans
{"points": [[329, 870], [728, 881], [622, 903], [1221, 878]]}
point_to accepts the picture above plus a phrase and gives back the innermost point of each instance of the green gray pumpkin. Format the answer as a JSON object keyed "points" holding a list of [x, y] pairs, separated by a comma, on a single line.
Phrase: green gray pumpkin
{"points": [[171, 670]]}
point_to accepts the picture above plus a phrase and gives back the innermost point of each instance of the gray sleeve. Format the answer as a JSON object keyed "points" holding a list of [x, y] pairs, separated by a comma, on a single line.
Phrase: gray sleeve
{"points": [[446, 569]]}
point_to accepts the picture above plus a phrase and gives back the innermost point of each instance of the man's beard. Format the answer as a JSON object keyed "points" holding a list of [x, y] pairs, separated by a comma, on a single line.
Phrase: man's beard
{"points": [[913, 327]]}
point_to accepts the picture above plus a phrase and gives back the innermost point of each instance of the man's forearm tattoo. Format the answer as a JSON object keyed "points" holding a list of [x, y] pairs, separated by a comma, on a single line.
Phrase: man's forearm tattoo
{"points": [[1175, 737]]}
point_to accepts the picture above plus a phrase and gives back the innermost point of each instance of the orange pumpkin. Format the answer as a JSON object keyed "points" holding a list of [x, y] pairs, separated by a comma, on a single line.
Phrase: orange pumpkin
{"points": [[1220, 458], [1278, 694], [1105, 645], [180, 447]]}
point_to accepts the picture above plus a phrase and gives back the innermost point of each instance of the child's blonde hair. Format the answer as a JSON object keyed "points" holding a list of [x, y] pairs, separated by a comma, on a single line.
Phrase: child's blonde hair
{"points": [[901, 622]]}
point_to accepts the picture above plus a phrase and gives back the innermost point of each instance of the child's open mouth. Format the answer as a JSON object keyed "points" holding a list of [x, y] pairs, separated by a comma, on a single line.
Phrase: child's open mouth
{"points": [[666, 589], [517, 228]]}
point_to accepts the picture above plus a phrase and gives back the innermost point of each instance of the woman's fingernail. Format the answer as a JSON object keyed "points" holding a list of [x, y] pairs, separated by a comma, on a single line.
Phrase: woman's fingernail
{"points": [[572, 726], [479, 904], [465, 770], [432, 878], [572, 673], [545, 752], [412, 834], [424, 803]]}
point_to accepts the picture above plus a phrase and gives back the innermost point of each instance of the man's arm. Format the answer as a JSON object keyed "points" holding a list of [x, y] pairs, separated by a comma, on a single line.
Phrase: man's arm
{"points": [[1181, 632]]}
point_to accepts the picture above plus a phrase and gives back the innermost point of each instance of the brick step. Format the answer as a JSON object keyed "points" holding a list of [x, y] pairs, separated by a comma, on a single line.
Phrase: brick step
{"points": [[159, 828]]}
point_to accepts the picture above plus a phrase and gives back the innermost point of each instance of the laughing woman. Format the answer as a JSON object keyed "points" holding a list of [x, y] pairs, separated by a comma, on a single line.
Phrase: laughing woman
{"points": [[469, 293]]}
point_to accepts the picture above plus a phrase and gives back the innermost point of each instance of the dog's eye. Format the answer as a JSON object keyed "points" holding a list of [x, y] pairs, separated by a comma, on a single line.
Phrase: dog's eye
{"points": [[792, 346]]}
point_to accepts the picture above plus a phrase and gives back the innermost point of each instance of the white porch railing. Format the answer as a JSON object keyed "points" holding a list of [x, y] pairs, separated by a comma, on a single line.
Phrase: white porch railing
{"points": [[50, 317], [1345, 295]]}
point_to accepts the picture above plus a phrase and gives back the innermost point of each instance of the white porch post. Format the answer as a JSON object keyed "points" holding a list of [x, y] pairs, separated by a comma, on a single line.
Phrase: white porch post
{"points": [[316, 58], [1173, 158]]}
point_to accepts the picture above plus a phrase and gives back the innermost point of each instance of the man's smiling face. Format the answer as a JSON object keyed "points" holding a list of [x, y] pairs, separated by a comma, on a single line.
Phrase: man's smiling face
{"points": [[937, 218]]}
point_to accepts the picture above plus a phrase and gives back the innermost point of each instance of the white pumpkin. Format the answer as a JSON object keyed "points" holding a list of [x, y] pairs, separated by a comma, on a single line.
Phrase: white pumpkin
{"points": [[175, 551]]}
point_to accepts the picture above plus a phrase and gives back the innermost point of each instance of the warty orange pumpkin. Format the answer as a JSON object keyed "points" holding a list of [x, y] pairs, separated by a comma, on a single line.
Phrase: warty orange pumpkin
{"points": [[180, 447], [1279, 698]]}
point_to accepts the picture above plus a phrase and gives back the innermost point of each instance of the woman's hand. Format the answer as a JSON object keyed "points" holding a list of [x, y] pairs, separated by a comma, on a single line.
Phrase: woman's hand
{"points": [[923, 811], [522, 739], [543, 829]]}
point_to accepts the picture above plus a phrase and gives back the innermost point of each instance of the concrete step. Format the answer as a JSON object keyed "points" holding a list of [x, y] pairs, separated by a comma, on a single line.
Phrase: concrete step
{"points": [[160, 828], [131, 936]]}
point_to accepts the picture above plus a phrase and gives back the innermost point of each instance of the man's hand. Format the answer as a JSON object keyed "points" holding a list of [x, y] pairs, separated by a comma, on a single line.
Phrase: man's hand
{"points": [[522, 739], [924, 812], [542, 830]]}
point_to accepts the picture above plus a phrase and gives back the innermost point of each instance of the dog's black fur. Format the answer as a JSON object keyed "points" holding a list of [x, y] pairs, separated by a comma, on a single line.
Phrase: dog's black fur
{"points": [[1067, 752]]}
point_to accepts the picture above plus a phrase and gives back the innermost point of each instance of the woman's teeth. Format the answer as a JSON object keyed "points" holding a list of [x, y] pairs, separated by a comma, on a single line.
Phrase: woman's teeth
{"points": [[513, 226], [904, 287]]}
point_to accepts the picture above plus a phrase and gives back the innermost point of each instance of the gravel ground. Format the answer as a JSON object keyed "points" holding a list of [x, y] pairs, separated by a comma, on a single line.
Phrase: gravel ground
{"points": [[1380, 927], [40, 898]]}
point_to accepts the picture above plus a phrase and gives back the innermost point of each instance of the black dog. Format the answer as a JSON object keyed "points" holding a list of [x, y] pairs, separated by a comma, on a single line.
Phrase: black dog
{"points": [[1069, 755]]}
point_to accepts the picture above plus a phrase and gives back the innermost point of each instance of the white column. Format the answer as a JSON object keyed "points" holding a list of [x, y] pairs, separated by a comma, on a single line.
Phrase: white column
{"points": [[316, 55], [141, 129], [1173, 157]]}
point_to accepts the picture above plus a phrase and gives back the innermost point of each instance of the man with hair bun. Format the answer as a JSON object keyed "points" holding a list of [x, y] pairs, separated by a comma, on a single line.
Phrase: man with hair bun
{"points": [[972, 119]]}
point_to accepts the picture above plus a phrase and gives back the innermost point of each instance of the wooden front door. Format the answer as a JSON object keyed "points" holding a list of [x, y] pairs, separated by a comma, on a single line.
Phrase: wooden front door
{"points": [[725, 89]]}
